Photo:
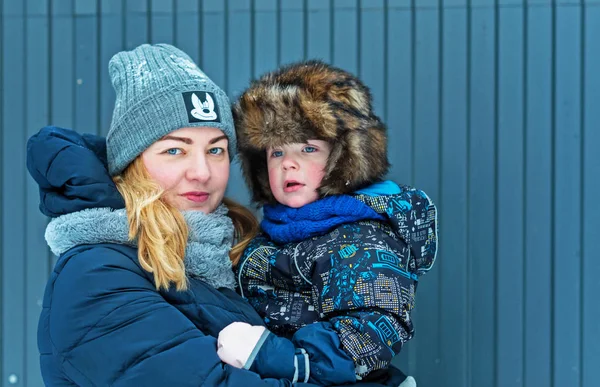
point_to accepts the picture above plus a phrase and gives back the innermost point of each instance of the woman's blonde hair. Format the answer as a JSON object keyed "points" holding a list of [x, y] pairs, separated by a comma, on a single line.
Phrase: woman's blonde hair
{"points": [[161, 230]]}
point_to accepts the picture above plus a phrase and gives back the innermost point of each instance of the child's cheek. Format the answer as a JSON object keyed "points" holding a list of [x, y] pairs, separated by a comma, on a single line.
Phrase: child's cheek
{"points": [[317, 171], [273, 178]]}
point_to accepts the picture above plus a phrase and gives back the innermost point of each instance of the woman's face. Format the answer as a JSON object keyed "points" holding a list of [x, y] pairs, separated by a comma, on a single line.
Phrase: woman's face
{"points": [[192, 166]]}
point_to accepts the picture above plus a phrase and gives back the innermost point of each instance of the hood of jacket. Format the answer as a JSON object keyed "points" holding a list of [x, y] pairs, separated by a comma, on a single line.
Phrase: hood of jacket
{"points": [[412, 216], [71, 171]]}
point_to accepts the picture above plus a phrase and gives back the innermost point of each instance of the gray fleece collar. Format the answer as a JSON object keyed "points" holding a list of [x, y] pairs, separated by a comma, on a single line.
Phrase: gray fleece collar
{"points": [[207, 252]]}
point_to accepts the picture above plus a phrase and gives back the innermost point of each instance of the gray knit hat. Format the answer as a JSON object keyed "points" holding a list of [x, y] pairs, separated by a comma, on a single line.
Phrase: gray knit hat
{"points": [[160, 89]]}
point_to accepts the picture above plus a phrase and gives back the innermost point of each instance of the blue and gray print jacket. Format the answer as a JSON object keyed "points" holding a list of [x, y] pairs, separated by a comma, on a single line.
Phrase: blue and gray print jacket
{"points": [[341, 301]]}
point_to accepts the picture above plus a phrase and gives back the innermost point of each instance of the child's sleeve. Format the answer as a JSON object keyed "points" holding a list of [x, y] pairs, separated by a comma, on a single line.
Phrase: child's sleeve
{"points": [[315, 358], [364, 324], [367, 300]]}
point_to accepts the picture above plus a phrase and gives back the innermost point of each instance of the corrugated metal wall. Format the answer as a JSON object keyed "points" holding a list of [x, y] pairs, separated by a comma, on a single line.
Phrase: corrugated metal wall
{"points": [[493, 108]]}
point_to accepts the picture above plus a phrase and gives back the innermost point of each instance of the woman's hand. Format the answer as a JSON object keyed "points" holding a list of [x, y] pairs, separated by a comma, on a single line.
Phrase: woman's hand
{"points": [[239, 342]]}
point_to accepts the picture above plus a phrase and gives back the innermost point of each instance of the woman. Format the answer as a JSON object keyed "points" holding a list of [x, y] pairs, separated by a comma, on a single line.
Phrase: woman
{"points": [[121, 306]]}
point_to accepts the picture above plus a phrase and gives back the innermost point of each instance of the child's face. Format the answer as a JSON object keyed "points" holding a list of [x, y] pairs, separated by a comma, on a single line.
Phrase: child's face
{"points": [[296, 171]]}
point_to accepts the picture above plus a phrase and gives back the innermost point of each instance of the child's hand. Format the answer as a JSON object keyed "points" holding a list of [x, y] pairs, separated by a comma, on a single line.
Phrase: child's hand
{"points": [[237, 341]]}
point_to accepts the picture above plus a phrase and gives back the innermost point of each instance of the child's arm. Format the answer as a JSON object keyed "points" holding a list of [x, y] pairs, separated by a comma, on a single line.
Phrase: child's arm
{"points": [[367, 296], [257, 349], [364, 325], [314, 355]]}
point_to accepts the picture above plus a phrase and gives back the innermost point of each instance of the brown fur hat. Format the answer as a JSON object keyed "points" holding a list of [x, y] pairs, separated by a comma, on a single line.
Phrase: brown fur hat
{"points": [[311, 100]]}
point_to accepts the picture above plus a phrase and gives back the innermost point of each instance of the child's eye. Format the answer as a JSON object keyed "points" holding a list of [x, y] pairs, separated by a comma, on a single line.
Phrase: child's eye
{"points": [[309, 149], [276, 154], [174, 151], [216, 151]]}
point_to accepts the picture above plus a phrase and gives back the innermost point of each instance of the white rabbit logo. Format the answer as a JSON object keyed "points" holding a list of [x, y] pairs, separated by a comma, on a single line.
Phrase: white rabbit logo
{"points": [[203, 110]]}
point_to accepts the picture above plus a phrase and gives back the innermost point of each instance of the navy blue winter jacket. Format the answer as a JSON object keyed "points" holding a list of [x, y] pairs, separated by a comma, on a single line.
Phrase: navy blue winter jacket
{"points": [[103, 321]]}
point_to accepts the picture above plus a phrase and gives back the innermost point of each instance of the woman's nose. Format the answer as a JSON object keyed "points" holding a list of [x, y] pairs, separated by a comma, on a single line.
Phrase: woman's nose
{"points": [[198, 169]]}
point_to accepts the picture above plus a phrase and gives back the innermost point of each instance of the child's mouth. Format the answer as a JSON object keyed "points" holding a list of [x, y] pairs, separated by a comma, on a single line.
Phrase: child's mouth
{"points": [[292, 186]]}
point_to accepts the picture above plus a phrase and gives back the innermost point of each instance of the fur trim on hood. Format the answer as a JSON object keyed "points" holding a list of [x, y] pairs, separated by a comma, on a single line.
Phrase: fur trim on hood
{"points": [[311, 100]]}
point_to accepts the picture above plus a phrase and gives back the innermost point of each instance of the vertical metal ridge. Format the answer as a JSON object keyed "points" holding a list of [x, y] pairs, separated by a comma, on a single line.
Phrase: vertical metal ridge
{"points": [[74, 62], [278, 29], [582, 171], [2, 91], [440, 109], [413, 86], [24, 209], [525, 92], [358, 37], [148, 20], [50, 117], [331, 30], [50, 62], [252, 38], [386, 74], [174, 21], [553, 198], [496, 168], [123, 25], [468, 298], [98, 66], [226, 48], [304, 29], [201, 33]]}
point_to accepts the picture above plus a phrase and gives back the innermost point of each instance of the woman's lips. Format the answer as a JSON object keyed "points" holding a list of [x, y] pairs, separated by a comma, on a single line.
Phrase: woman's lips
{"points": [[196, 197]]}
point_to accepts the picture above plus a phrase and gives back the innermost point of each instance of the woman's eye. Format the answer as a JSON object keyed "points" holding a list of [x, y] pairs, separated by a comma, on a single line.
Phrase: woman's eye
{"points": [[216, 151], [310, 149], [276, 154], [174, 151]]}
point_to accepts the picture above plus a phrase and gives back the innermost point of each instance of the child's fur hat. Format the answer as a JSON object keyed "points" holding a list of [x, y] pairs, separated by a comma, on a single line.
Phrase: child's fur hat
{"points": [[311, 100]]}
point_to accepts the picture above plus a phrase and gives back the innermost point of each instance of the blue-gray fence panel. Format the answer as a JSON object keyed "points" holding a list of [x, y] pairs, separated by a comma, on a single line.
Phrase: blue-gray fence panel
{"points": [[239, 71], [566, 279], [162, 21], [345, 37], [400, 85], [590, 269], [112, 40], [87, 66], [136, 23], [538, 197], [481, 198], [492, 109], [37, 114], [264, 31], [317, 29], [292, 44], [426, 164], [188, 27], [509, 178], [453, 193], [14, 111]]}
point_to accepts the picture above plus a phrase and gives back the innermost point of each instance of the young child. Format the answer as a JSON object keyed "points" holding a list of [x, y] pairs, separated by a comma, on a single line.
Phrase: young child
{"points": [[335, 269]]}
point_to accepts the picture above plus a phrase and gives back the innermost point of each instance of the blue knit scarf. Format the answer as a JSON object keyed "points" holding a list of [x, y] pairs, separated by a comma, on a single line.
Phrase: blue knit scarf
{"points": [[284, 224]]}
